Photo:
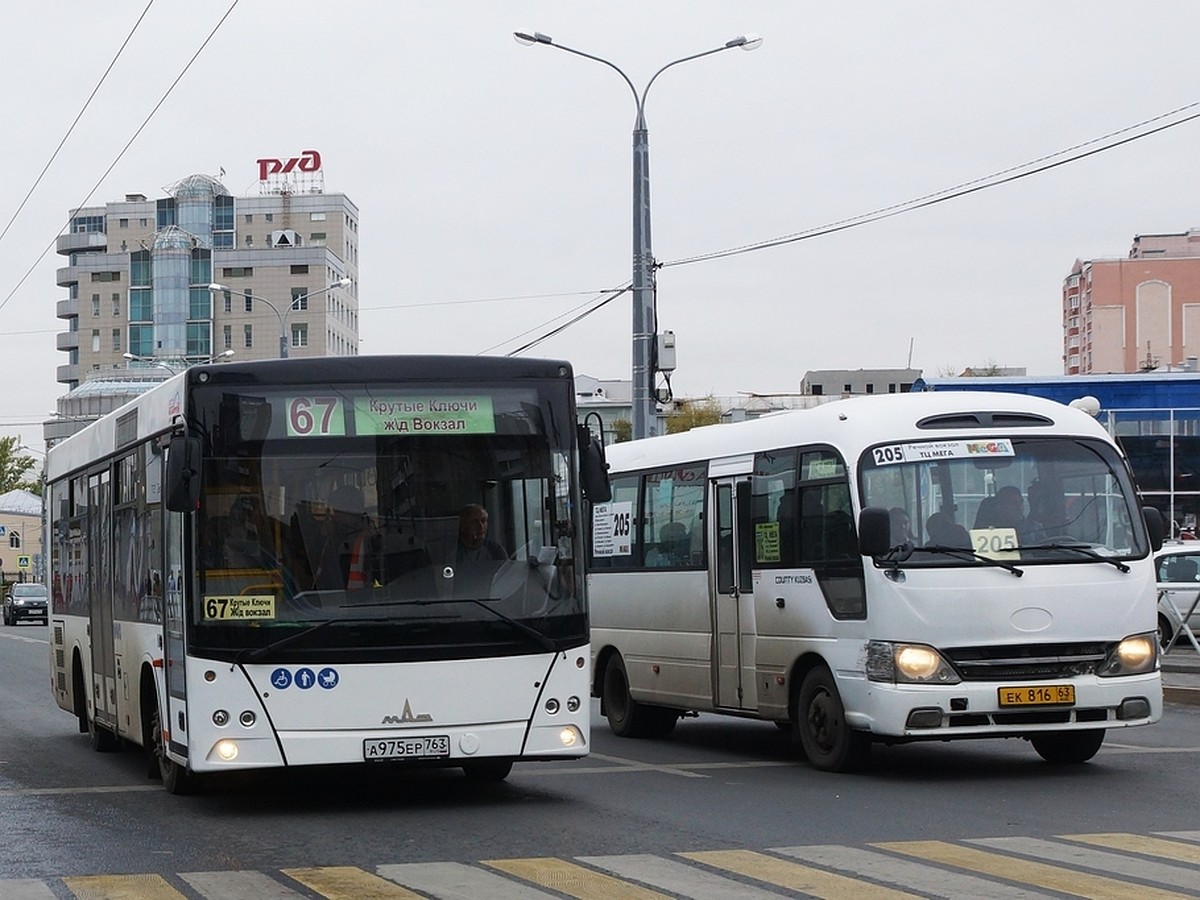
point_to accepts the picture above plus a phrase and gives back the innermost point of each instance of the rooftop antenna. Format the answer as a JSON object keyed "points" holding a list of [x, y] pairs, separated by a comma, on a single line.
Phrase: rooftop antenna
{"points": [[910, 350]]}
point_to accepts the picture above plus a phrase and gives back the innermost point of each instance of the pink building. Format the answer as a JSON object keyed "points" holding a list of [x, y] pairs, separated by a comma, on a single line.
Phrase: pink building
{"points": [[1135, 314]]}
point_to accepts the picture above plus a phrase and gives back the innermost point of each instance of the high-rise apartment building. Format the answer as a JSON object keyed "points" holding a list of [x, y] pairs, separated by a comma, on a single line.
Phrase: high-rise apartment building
{"points": [[1134, 314], [139, 274]]}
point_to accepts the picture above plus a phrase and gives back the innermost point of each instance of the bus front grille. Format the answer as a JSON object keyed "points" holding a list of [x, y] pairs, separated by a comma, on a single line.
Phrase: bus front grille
{"points": [[1031, 662]]}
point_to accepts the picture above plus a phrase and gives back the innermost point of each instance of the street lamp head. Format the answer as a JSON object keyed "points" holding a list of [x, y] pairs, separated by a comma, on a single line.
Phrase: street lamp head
{"points": [[746, 41], [217, 288], [529, 38], [343, 282], [224, 354]]}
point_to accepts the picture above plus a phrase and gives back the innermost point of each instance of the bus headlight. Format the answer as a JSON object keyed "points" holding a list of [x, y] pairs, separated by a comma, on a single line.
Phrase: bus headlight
{"points": [[1135, 655], [907, 664]]}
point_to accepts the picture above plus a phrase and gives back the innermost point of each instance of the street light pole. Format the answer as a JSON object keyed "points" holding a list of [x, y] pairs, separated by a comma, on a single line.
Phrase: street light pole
{"points": [[645, 319], [283, 316]]}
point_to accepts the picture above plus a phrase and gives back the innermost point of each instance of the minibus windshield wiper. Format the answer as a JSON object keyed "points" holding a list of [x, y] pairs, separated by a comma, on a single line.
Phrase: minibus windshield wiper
{"points": [[967, 553], [1081, 549], [542, 640]]}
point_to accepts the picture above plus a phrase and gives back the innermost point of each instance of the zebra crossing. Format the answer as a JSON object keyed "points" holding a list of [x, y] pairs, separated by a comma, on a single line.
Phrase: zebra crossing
{"points": [[1106, 866]]}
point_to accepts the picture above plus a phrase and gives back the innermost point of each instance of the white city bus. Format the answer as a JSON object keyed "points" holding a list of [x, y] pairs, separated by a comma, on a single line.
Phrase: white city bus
{"points": [[752, 569], [256, 565]]}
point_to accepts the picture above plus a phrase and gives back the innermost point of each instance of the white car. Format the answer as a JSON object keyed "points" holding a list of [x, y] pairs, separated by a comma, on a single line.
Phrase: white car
{"points": [[1177, 566]]}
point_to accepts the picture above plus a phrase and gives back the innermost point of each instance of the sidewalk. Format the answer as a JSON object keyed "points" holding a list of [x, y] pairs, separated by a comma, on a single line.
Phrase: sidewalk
{"points": [[1181, 675]]}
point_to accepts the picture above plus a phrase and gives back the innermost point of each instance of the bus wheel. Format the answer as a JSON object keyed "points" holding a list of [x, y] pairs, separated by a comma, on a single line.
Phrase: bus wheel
{"points": [[175, 778], [1068, 746], [627, 717], [821, 729], [487, 769]]}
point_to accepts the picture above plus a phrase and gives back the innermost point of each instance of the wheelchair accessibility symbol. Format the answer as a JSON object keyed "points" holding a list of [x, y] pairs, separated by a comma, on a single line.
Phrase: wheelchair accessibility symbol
{"points": [[281, 678]]}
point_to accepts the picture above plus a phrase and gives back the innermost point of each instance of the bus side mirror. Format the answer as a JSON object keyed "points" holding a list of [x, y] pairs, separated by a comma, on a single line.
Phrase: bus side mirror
{"points": [[182, 489], [593, 468], [874, 531], [1154, 526]]}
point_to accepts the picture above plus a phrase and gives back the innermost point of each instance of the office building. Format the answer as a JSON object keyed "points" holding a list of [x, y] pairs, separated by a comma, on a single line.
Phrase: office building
{"points": [[139, 273]]}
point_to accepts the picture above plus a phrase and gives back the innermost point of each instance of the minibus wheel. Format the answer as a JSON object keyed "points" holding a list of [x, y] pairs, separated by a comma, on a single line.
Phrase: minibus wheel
{"points": [[1067, 747], [626, 717], [821, 728]]}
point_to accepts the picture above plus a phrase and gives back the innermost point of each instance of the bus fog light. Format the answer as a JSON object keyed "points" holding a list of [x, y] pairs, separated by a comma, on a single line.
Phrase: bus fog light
{"points": [[247, 718], [569, 736], [1133, 708], [926, 717], [220, 718], [227, 750], [552, 706], [573, 704]]}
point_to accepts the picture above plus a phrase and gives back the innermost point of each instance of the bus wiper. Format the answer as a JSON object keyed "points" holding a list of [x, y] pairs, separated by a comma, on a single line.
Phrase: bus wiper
{"points": [[538, 638], [249, 654], [967, 553], [1082, 549]]}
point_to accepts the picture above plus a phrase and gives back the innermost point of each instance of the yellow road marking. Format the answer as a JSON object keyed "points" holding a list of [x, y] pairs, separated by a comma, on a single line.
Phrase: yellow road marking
{"points": [[572, 880], [121, 887], [795, 876], [1144, 844], [349, 883], [1011, 868]]}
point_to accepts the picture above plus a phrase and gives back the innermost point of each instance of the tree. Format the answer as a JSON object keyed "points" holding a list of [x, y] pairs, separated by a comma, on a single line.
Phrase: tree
{"points": [[622, 430], [15, 469], [691, 414]]}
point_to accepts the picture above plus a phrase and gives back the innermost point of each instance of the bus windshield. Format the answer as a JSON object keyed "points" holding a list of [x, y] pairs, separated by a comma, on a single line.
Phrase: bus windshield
{"points": [[1014, 500], [384, 523]]}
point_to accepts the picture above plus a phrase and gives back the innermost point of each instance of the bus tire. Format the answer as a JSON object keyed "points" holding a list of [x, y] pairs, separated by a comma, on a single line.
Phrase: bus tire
{"points": [[1068, 747], [821, 728], [175, 777], [626, 717], [487, 770]]}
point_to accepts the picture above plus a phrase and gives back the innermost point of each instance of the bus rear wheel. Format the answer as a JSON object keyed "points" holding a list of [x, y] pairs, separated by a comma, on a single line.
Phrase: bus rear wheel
{"points": [[821, 728], [1068, 747], [626, 717]]}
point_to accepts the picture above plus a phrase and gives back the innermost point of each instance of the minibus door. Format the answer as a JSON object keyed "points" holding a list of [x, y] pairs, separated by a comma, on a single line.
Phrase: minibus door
{"points": [[733, 594]]}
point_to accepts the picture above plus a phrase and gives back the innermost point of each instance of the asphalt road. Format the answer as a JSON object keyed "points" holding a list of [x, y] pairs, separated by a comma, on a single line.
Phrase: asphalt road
{"points": [[722, 808]]}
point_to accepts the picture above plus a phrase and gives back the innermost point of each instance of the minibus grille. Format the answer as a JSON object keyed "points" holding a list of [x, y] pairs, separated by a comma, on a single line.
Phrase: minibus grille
{"points": [[1027, 661]]}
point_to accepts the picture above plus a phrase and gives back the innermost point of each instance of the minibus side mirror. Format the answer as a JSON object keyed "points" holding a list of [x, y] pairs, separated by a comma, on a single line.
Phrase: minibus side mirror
{"points": [[182, 489], [874, 531], [1154, 526]]}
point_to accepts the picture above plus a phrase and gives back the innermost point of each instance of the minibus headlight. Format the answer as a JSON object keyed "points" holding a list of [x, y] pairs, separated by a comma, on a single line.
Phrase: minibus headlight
{"points": [[1136, 655], [907, 664]]}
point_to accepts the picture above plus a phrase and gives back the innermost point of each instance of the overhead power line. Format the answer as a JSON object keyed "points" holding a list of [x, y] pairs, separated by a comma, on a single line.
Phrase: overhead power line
{"points": [[124, 149], [71, 128]]}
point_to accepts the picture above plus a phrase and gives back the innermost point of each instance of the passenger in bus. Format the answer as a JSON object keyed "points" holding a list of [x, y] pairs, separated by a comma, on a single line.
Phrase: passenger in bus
{"points": [[943, 531], [901, 527], [477, 557], [325, 538], [673, 547]]}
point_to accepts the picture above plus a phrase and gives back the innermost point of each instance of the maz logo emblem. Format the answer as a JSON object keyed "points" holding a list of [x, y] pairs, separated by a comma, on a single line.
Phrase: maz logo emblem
{"points": [[406, 717]]}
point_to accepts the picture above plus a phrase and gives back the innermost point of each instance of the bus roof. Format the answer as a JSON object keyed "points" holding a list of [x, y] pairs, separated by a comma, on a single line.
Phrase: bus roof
{"points": [[854, 424]]}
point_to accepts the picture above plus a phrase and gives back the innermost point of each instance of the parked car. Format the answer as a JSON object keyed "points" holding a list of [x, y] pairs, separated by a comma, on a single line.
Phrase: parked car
{"points": [[1178, 574], [25, 601]]}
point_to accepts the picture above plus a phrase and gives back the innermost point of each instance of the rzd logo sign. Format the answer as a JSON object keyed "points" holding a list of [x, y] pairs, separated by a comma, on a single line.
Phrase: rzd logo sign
{"points": [[307, 161]]}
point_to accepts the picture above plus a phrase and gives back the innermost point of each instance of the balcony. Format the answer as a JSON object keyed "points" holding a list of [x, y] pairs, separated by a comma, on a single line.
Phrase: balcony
{"points": [[67, 309], [67, 340], [82, 242]]}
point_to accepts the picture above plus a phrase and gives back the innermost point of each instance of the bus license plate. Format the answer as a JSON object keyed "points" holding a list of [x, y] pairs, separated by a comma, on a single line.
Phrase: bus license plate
{"points": [[1038, 695], [435, 746]]}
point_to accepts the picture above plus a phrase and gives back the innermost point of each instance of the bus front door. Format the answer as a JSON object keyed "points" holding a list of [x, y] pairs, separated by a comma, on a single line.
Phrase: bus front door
{"points": [[733, 595]]}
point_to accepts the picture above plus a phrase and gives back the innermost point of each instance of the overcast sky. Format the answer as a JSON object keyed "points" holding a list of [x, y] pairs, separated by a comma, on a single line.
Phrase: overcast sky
{"points": [[494, 179]]}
